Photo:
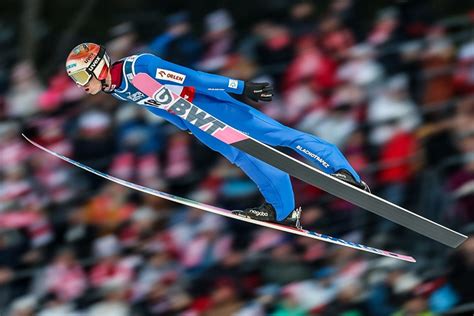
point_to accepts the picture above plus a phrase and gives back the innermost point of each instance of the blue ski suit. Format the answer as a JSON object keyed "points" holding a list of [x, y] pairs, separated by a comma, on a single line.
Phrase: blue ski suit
{"points": [[210, 93]]}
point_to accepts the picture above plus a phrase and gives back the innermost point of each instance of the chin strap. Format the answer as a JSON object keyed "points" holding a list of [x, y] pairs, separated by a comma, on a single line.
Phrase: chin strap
{"points": [[110, 88]]}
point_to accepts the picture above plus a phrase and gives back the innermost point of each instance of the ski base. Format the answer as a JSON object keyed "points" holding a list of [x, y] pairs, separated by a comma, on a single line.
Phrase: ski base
{"points": [[224, 212]]}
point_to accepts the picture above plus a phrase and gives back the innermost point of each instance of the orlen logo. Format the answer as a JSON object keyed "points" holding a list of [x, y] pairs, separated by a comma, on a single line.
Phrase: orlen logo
{"points": [[170, 75]]}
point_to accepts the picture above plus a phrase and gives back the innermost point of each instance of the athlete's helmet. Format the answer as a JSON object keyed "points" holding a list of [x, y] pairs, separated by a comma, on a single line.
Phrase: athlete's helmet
{"points": [[87, 60]]}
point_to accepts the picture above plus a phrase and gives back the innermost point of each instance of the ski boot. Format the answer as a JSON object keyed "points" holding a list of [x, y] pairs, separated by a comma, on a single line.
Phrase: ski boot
{"points": [[266, 213], [346, 176]]}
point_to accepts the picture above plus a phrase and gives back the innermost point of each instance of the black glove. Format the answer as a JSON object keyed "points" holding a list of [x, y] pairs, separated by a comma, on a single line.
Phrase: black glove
{"points": [[258, 91]]}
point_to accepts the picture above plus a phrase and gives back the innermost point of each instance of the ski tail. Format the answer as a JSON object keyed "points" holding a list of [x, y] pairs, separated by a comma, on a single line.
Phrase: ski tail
{"points": [[224, 212]]}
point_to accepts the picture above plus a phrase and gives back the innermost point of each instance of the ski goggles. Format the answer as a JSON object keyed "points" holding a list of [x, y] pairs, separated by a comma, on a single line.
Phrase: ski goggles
{"points": [[83, 76]]}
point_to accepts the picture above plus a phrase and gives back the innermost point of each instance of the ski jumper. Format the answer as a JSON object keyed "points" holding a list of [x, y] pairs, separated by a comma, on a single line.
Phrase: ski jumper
{"points": [[210, 93]]}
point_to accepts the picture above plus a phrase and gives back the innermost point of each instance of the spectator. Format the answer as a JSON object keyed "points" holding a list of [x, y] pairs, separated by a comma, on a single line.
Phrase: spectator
{"points": [[23, 306], [22, 98], [463, 77], [108, 209], [13, 152], [65, 277], [462, 270], [302, 17], [391, 283], [53, 306], [94, 145], [178, 44], [166, 298], [114, 299], [348, 302], [289, 306], [134, 134], [361, 68], [206, 248], [286, 267], [123, 41], [274, 47], [415, 306], [346, 11], [218, 40], [437, 57], [310, 62], [398, 158], [336, 39], [459, 184], [110, 267], [339, 121], [76, 232], [224, 299], [159, 268], [392, 111], [385, 36]]}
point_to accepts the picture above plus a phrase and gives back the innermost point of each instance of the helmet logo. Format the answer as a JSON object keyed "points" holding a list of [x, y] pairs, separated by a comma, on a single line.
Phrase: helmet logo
{"points": [[94, 64], [88, 58], [80, 48]]}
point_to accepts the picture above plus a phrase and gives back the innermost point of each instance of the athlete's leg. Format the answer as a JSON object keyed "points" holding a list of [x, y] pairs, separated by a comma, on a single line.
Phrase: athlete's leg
{"points": [[265, 129], [274, 184]]}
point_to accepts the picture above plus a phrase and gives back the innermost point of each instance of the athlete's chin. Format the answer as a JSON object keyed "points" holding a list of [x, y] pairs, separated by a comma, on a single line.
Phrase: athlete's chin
{"points": [[92, 92]]}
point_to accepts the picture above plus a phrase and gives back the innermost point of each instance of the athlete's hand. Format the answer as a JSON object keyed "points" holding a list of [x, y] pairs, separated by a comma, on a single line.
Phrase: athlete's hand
{"points": [[258, 91]]}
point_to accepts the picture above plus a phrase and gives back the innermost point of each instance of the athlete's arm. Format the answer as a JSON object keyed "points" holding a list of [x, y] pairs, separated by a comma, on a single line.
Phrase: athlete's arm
{"points": [[171, 73]]}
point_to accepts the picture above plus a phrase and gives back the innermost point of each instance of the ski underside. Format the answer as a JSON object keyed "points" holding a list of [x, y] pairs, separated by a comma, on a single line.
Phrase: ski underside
{"points": [[224, 212]]}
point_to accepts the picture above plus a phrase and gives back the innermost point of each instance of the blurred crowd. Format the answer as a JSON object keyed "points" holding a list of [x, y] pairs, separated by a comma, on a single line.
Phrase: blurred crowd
{"points": [[397, 98]]}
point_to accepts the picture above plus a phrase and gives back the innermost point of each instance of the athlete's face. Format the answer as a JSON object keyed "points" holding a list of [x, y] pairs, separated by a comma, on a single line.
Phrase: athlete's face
{"points": [[93, 87]]}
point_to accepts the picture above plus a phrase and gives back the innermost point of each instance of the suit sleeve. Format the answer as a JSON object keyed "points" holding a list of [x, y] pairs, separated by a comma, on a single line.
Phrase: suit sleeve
{"points": [[168, 73]]}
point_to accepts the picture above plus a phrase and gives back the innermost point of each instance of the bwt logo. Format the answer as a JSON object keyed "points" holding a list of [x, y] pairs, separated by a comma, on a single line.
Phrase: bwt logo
{"points": [[189, 112]]}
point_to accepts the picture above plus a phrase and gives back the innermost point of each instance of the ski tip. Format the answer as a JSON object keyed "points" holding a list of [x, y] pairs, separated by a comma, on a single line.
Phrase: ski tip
{"points": [[409, 259], [462, 238], [395, 255], [29, 140], [399, 256], [26, 137]]}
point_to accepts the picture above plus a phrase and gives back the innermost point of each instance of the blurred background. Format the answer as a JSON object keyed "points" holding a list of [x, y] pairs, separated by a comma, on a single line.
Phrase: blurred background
{"points": [[390, 82]]}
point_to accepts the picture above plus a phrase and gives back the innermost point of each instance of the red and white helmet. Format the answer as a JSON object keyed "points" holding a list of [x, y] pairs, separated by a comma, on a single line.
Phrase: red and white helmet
{"points": [[87, 60]]}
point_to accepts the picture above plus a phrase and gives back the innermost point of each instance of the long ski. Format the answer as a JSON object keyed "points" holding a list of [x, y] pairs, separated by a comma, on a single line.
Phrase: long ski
{"points": [[224, 212], [163, 98]]}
